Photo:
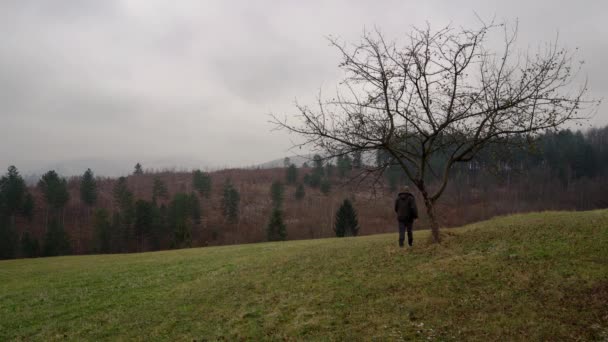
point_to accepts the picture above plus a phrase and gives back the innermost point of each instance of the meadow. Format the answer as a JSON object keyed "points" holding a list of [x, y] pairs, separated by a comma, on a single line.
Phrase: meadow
{"points": [[538, 276]]}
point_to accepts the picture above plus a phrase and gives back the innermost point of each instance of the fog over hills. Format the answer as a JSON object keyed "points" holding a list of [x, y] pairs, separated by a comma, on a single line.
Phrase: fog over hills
{"points": [[109, 167]]}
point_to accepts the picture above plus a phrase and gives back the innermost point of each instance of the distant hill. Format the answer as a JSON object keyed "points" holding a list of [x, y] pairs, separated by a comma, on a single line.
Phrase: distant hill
{"points": [[114, 167], [296, 160], [533, 277]]}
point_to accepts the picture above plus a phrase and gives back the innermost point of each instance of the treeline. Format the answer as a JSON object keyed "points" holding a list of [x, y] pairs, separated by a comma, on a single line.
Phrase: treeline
{"points": [[133, 224], [565, 156], [146, 212]]}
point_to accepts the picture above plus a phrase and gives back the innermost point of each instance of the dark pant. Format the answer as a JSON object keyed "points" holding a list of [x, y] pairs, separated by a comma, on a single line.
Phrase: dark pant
{"points": [[403, 226]]}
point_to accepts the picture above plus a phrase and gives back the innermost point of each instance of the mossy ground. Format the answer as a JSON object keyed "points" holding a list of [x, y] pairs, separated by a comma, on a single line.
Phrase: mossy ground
{"points": [[541, 276]]}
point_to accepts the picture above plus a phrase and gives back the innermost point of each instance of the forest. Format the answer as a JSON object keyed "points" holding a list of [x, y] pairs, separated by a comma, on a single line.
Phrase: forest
{"points": [[156, 210]]}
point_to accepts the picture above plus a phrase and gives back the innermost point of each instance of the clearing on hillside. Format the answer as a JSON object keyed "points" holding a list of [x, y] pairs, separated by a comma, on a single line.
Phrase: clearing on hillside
{"points": [[541, 276]]}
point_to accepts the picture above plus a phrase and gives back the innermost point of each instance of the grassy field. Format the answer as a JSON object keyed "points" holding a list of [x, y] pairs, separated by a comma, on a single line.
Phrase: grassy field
{"points": [[540, 276]]}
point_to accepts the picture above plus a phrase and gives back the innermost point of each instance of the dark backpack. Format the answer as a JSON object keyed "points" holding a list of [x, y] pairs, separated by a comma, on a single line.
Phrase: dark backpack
{"points": [[406, 208]]}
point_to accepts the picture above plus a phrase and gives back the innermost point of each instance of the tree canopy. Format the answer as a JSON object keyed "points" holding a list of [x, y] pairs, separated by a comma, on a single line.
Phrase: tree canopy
{"points": [[443, 94]]}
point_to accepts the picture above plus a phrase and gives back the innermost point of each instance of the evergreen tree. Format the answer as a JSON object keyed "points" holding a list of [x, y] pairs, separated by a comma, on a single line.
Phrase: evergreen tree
{"points": [[54, 189], [144, 221], [56, 195], [314, 179], [162, 231], [30, 247], [123, 225], [14, 200], [138, 170], [344, 165], [230, 202], [103, 231], [123, 200], [8, 238], [300, 192], [28, 207], [117, 233], [307, 179], [346, 220], [202, 183], [277, 191], [57, 241], [13, 193], [159, 190], [286, 162], [179, 219], [291, 174], [276, 229], [325, 186], [88, 188], [195, 208]]}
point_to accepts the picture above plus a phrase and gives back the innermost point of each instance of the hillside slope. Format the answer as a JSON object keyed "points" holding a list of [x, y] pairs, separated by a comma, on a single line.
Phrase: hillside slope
{"points": [[541, 276]]}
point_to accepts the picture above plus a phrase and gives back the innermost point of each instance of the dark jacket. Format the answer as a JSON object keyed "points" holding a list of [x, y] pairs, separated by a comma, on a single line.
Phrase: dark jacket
{"points": [[405, 207]]}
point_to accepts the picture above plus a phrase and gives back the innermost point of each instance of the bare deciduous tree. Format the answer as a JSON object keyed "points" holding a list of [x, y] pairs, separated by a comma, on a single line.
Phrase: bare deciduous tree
{"points": [[443, 96]]}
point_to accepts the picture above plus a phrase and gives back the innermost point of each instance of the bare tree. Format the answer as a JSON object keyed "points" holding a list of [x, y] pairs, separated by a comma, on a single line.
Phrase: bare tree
{"points": [[442, 97]]}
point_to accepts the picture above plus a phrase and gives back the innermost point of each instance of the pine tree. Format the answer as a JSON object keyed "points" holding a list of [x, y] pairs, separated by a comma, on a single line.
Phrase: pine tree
{"points": [[325, 186], [202, 183], [88, 196], [103, 231], [54, 189], [159, 190], [28, 207], [195, 208], [57, 241], [123, 225], [179, 218], [123, 200], [291, 174], [276, 229], [314, 179], [230, 202], [138, 170], [13, 192], [88, 188], [144, 220], [300, 192], [346, 220], [13, 202], [8, 238], [344, 165], [30, 247], [277, 191]]}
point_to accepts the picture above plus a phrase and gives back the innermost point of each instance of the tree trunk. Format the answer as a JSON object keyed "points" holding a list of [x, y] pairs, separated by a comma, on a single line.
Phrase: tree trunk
{"points": [[430, 210]]}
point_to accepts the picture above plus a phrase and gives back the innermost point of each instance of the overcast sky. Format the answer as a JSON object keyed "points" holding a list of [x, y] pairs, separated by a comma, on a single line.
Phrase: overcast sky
{"points": [[195, 80]]}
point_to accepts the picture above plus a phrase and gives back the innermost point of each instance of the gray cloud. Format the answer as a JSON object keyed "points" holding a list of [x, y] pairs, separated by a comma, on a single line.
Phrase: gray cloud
{"points": [[152, 80]]}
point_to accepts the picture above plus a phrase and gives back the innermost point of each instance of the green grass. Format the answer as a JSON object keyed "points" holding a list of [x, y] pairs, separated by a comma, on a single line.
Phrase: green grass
{"points": [[531, 277]]}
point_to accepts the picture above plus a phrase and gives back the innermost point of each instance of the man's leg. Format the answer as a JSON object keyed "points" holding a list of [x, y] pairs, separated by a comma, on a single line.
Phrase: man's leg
{"points": [[401, 233], [410, 235]]}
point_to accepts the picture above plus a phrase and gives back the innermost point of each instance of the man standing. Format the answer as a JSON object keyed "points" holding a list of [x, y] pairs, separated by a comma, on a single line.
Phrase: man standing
{"points": [[407, 212]]}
